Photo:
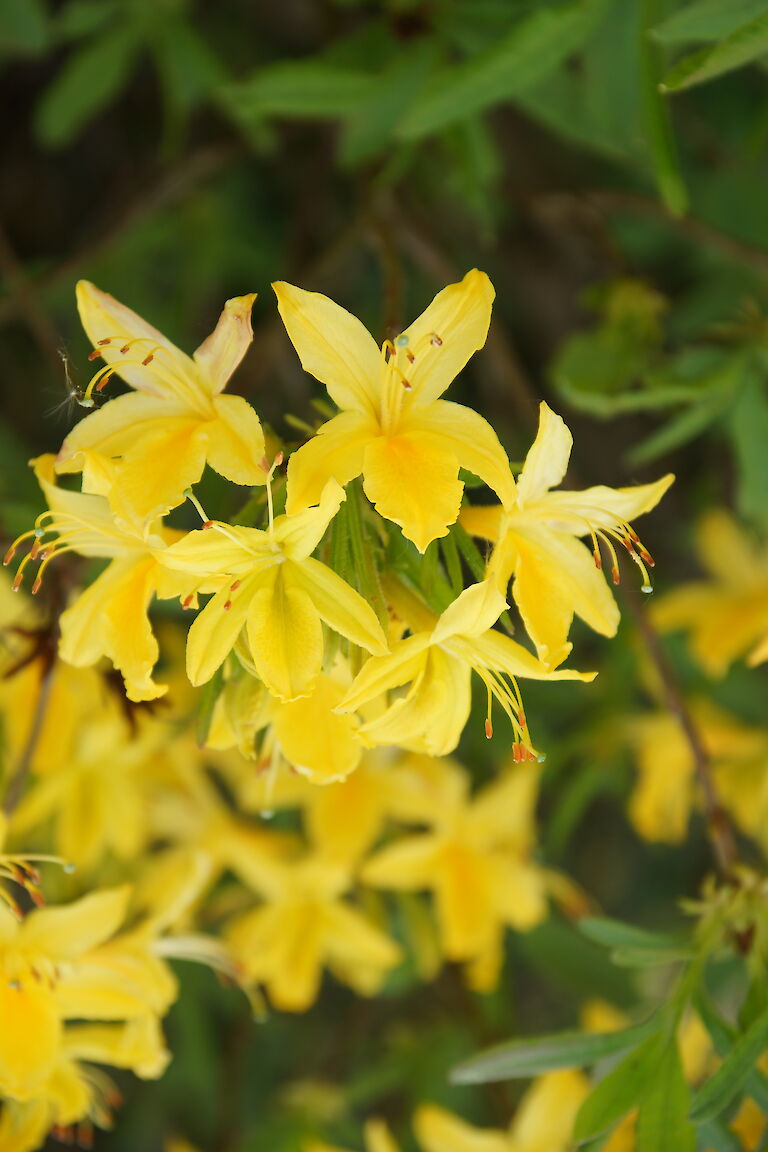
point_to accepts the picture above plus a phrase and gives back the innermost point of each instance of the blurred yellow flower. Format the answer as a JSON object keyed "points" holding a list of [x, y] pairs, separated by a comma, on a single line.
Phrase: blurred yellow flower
{"points": [[725, 616], [393, 428]]}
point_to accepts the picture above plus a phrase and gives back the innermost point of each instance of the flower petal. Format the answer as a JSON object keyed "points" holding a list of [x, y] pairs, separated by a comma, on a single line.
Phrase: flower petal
{"points": [[339, 605], [219, 355], [320, 744], [333, 346], [213, 634], [153, 477], [113, 429], [431, 717], [110, 619], [221, 549], [604, 507], [501, 653], [440, 1131], [459, 317], [286, 638], [413, 480], [470, 438], [547, 459], [299, 534], [170, 373], [407, 864], [483, 520], [383, 672], [472, 613], [235, 441], [336, 451], [67, 931]]}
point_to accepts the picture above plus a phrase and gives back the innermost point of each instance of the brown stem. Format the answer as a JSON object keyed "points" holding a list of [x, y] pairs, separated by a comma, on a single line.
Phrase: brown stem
{"points": [[718, 825], [19, 775]]}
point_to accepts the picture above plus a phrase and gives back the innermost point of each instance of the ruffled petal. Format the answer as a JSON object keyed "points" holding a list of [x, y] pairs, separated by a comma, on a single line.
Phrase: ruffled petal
{"points": [[413, 480], [165, 461], [471, 440], [219, 355], [448, 332], [547, 460], [336, 451], [285, 637], [170, 373], [235, 439], [339, 605], [333, 346]]}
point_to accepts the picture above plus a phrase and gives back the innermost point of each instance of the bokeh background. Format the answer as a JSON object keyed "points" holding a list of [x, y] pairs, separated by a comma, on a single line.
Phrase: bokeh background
{"points": [[605, 161]]}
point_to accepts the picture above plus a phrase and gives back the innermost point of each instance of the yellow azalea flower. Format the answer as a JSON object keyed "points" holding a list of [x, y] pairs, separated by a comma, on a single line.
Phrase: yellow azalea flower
{"points": [[393, 427], [437, 660], [175, 420], [304, 924], [43, 960], [666, 790], [278, 593], [726, 616], [109, 618], [475, 858], [537, 542]]}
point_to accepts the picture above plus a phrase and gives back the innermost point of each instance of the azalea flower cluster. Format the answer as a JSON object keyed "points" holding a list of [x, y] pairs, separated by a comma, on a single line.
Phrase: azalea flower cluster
{"points": [[342, 618]]}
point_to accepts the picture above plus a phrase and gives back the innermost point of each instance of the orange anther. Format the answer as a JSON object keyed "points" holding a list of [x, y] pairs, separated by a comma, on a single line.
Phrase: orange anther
{"points": [[488, 728]]}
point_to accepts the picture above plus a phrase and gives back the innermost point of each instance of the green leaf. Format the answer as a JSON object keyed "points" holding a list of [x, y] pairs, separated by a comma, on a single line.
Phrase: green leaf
{"points": [[88, 81], [616, 934], [686, 426], [663, 1124], [707, 20], [532, 50], [529, 1057], [23, 27], [618, 1092], [747, 43], [724, 1037], [748, 424], [717, 1093], [373, 124], [715, 1136], [308, 89], [208, 697], [658, 122]]}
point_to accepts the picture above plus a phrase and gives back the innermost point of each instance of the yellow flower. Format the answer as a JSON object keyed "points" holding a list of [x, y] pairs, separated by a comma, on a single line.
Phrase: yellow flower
{"points": [[437, 660], [304, 924], [278, 592], [43, 959], [666, 790], [176, 420], [110, 617], [536, 536], [393, 428], [726, 616], [376, 1138], [475, 860]]}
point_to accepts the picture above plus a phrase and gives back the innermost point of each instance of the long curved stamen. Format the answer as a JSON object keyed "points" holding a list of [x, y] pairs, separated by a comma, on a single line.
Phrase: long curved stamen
{"points": [[396, 379], [183, 388]]}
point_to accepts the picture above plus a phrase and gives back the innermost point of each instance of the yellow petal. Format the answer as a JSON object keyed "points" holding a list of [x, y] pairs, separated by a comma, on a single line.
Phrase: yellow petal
{"points": [[29, 1038], [299, 534], [335, 452], [472, 613], [483, 520], [110, 619], [166, 460], [547, 460], [343, 821], [605, 507], [546, 1113], [378, 1137], [555, 576], [407, 864], [431, 717], [333, 346], [88, 518], [113, 429], [354, 940], [503, 654], [459, 316], [413, 481], [471, 440], [170, 373], [521, 893], [67, 931], [235, 447], [338, 604], [383, 672], [759, 653], [319, 743], [219, 355], [440, 1131], [464, 892], [213, 634], [285, 638], [222, 549]]}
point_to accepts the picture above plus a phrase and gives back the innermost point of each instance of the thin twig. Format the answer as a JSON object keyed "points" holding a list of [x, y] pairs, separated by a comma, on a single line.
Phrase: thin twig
{"points": [[718, 825], [19, 775]]}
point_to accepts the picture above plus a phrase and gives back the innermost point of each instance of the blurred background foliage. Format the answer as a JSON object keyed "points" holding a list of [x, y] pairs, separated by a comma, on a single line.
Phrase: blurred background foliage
{"points": [[605, 161]]}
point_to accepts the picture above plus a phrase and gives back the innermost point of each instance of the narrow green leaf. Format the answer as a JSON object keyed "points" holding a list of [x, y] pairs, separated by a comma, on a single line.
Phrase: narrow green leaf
{"points": [[452, 562], [616, 934], [717, 1093], [707, 20], [715, 1136], [309, 89], [663, 1124], [747, 43], [618, 1092], [529, 1057], [686, 426], [724, 1037], [363, 562], [748, 424], [24, 27], [88, 81], [658, 121], [533, 49], [208, 697], [369, 131]]}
